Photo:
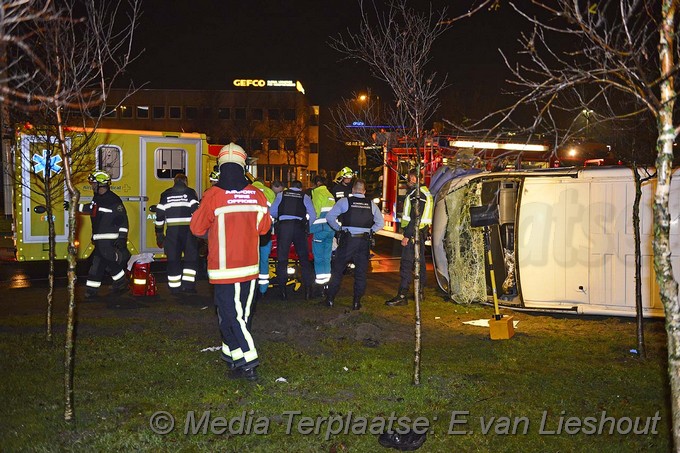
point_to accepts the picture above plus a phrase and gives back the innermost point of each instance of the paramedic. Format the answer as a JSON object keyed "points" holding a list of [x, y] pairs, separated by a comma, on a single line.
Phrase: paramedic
{"points": [[233, 214], [292, 209], [265, 241], [173, 215], [361, 218], [322, 241], [109, 236], [408, 217]]}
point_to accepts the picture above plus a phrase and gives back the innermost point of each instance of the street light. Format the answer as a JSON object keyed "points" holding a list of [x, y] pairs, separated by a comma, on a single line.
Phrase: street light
{"points": [[587, 113]]}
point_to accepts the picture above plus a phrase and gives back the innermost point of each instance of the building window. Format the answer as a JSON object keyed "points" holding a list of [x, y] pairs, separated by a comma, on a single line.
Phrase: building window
{"points": [[273, 144], [109, 160], [256, 144], [224, 113], [207, 113], [110, 111], [191, 113], [314, 148], [289, 144], [175, 112], [289, 114], [256, 114], [274, 114], [125, 111], [142, 111], [314, 120], [158, 112], [240, 113], [170, 162]]}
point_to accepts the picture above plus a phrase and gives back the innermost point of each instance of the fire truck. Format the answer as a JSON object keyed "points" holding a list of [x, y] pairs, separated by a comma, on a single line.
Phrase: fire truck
{"points": [[444, 151]]}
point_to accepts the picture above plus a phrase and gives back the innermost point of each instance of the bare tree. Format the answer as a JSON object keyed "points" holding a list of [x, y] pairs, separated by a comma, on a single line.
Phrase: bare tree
{"points": [[396, 44], [617, 58], [64, 69]]}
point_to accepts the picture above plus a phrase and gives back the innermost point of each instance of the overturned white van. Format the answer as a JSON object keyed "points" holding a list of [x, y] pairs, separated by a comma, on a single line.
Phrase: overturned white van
{"points": [[564, 242]]}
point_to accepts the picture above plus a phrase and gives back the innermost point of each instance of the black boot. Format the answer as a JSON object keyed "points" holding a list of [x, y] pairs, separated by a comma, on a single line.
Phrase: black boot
{"points": [[308, 292], [357, 304], [398, 300], [283, 294], [327, 302]]}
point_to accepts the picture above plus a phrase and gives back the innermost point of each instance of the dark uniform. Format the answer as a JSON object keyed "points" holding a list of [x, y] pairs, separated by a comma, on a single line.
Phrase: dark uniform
{"points": [[360, 218], [109, 236], [173, 214], [341, 190], [291, 209]]}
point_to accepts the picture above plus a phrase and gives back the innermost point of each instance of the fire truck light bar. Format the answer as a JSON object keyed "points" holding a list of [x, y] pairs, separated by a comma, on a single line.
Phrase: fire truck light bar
{"points": [[493, 145]]}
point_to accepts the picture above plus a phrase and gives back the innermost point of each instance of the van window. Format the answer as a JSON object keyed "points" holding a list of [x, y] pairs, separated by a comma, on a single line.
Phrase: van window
{"points": [[109, 160], [170, 162]]}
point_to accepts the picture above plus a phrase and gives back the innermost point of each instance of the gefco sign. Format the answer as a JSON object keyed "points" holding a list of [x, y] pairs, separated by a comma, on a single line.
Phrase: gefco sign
{"points": [[261, 83]]}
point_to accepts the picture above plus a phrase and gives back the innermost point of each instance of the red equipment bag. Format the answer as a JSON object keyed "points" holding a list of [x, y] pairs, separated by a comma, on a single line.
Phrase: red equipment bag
{"points": [[143, 281]]}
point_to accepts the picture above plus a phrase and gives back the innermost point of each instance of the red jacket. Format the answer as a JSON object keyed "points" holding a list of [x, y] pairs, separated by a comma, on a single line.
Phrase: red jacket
{"points": [[234, 221]]}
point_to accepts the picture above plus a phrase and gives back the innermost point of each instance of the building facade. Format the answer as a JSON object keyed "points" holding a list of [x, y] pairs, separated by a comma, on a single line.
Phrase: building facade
{"points": [[271, 119]]}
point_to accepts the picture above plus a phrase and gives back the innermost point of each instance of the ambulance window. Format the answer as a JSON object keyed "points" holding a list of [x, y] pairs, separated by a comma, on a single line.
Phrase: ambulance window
{"points": [[109, 160], [170, 162]]}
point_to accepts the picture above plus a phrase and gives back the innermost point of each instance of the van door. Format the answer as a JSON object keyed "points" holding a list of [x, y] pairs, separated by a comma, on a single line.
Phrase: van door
{"points": [[38, 157], [162, 158]]}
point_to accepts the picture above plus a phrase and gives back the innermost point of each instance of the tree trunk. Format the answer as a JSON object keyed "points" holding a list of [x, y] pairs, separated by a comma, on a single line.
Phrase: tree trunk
{"points": [[51, 239], [416, 277], [668, 287], [640, 331]]}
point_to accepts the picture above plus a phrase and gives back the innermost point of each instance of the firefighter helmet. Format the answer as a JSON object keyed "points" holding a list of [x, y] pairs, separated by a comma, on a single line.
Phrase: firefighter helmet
{"points": [[100, 177], [214, 176], [346, 172]]}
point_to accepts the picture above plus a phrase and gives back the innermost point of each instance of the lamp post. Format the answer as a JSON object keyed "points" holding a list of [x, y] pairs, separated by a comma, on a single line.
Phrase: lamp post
{"points": [[586, 114]]}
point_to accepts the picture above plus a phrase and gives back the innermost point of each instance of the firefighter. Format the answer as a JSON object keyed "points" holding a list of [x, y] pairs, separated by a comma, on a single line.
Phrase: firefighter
{"points": [[214, 177], [408, 226], [292, 209], [322, 241], [233, 214], [109, 236], [360, 218], [173, 215], [265, 240], [343, 186]]}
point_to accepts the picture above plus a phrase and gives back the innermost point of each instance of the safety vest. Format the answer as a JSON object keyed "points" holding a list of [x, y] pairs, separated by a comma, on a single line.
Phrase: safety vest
{"points": [[292, 204], [323, 201], [427, 207], [271, 196], [359, 213]]}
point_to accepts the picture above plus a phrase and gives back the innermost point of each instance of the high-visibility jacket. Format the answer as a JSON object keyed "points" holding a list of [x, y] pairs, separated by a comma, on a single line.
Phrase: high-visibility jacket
{"points": [[271, 196], [176, 207], [108, 215], [323, 201], [234, 221], [426, 209]]}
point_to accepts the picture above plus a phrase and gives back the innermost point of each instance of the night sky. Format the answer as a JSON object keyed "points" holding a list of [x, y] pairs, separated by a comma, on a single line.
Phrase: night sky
{"points": [[205, 44]]}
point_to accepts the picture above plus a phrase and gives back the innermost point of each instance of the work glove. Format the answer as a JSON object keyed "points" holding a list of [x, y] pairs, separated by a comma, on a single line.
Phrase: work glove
{"points": [[160, 239]]}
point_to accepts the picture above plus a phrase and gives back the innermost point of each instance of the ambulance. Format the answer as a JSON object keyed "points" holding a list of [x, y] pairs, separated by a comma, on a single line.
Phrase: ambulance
{"points": [[142, 164]]}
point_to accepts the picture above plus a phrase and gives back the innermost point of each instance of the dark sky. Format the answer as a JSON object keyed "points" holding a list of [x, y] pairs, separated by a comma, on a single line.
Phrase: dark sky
{"points": [[205, 44]]}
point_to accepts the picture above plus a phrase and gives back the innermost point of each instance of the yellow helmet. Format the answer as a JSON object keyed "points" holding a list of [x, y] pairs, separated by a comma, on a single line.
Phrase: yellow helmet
{"points": [[346, 173], [100, 177], [214, 176]]}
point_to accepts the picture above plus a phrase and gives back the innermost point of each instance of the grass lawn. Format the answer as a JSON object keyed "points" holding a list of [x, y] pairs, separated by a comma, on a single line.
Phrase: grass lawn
{"points": [[328, 370]]}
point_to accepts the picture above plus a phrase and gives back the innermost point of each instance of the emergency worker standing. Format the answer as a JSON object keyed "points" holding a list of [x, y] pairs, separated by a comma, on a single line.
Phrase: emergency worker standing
{"points": [[265, 240], [360, 218], [292, 208], [408, 226], [173, 215], [109, 236], [322, 241], [233, 214], [343, 187]]}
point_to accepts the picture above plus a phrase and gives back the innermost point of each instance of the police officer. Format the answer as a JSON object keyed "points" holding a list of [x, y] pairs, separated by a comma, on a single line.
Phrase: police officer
{"points": [[408, 226], [173, 216], [360, 218], [109, 236], [265, 240], [291, 208], [343, 187], [322, 241]]}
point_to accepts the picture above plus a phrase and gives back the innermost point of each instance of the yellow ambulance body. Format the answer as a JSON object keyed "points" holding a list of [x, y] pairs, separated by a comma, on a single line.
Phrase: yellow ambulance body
{"points": [[142, 164]]}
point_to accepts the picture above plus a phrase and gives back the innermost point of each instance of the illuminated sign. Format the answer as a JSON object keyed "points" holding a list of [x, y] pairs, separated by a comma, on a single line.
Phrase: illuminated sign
{"points": [[260, 83], [494, 145]]}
